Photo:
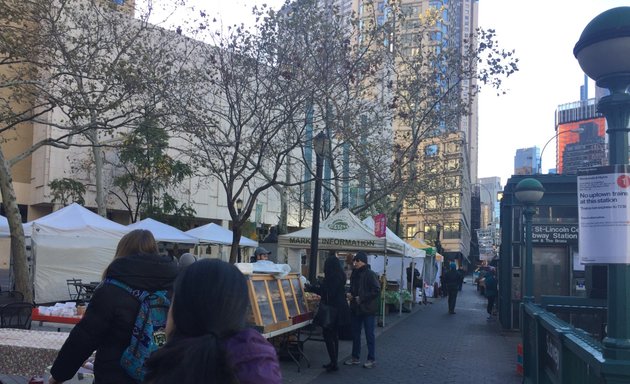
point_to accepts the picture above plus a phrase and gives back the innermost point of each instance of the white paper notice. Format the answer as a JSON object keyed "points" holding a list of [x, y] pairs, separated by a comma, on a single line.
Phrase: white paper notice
{"points": [[604, 216]]}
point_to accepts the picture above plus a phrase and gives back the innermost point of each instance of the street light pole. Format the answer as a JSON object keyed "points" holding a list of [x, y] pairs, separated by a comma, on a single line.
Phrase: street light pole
{"points": [[239, 209], [608, 35], [320, 145], [576, 130], [529, 191]]}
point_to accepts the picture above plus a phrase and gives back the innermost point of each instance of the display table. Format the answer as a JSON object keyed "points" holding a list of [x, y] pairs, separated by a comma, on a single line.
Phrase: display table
{"points": [[54, 321], [279, 311], [28, 353]]}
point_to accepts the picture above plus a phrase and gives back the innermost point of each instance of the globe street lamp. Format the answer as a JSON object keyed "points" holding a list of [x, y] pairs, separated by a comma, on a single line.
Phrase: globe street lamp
{"points": [[320, 146], [603, 54], [576, 130], [239, 209], [529, 191]]}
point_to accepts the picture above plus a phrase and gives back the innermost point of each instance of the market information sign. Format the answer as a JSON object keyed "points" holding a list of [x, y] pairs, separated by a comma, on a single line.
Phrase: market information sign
{"points": [[604, 215], [555, 233]]}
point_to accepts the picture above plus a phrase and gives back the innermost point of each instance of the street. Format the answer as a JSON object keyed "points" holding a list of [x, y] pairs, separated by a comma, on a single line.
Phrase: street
{"points": [[426, 346]]}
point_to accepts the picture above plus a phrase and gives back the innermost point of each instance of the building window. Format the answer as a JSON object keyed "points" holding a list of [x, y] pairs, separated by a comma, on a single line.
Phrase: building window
{"points": [[431, 150], [410, 231], [452, 231], [452, 165], [431, 202], [452, 182], [453, 147], [451, 200]]}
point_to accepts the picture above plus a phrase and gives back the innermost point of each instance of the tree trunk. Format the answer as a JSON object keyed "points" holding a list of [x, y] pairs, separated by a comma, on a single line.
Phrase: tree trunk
{"points": [[18, 247], [97, 152], [236, 239]]}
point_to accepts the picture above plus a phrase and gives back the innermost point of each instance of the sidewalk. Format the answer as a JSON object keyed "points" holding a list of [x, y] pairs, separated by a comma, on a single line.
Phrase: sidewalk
{"points": [[425, 346]]}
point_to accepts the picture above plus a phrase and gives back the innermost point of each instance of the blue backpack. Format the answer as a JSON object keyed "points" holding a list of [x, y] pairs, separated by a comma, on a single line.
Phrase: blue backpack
{"points": [[148, 330]]}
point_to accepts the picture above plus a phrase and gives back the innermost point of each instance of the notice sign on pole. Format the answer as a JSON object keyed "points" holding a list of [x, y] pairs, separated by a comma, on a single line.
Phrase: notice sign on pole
{"points": [[380, 225], [604, 215]]}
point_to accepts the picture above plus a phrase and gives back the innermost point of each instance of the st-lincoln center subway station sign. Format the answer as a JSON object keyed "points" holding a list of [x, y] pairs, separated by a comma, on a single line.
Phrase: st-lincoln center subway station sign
{"points": [[555, 233]]}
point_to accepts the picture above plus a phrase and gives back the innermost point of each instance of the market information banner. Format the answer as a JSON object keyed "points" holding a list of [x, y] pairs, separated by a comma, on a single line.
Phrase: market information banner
{"points": [[604, 215]]}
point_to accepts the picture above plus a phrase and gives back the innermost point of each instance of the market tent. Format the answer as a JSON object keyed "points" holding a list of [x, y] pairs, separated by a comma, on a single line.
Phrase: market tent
{"points": [[430, 272], [409, 254], [72, 242], [342, 231], [216, 234], [164, 232]]}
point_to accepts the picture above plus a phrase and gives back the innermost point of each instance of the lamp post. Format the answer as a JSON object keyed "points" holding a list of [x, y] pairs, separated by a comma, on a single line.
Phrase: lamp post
{"points": [[603, 54], [320, 146], [239, 209], [529, 191], [576, 130]]}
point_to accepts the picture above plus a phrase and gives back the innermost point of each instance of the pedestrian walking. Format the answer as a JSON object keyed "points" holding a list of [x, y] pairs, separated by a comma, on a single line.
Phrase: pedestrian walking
{"points": [[363, 296], [492, 291], [451, 280], [332, 292], [460, 270]]}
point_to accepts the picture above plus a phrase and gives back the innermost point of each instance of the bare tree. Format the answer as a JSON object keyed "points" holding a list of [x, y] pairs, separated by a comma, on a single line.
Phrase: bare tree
{"points": [[71, 73]]}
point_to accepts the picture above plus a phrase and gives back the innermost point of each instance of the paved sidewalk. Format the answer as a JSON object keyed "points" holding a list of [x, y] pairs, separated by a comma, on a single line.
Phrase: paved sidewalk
{"points": [[426, 346]]}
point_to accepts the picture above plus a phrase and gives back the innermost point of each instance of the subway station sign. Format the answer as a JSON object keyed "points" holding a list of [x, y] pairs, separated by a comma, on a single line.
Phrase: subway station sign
{"points": [[555, 233]]}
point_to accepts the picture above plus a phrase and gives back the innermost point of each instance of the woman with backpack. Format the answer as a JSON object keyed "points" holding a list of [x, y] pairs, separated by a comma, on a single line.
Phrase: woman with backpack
{"points": [[208, 341], [106, 326]]}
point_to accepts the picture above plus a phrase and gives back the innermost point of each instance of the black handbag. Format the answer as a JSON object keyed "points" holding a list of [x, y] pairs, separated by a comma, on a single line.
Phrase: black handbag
{"points": [[326, 316]]}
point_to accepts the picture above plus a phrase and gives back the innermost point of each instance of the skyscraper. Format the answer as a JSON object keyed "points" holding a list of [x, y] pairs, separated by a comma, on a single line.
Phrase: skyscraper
{"points": [[526, 161]]}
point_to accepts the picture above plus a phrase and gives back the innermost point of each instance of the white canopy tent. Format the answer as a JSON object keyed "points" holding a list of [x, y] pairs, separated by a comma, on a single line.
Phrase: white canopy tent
{"points": [[408, 256], [216, 234], [342, 231], [164, 232], [72, 242]]}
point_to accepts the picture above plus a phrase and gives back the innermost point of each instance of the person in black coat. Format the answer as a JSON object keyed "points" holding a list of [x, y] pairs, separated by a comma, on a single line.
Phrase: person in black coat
{"points": [[111, 313], [332, 292], [452, 279], [364, 295]]}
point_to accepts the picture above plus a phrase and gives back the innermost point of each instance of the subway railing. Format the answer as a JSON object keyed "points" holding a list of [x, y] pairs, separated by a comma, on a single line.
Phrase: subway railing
{"points": [[556, 352]]}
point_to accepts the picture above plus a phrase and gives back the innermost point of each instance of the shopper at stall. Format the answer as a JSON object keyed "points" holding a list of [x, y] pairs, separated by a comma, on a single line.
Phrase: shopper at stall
{"points": [[332, 293], [261, 254], [109, 318], [363, 296], [207, 338], [452, 278]]}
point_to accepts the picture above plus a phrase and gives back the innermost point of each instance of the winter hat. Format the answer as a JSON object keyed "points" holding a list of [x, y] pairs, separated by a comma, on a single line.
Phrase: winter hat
{"points": [[261, 251], [186, 259], [453, 266], [361, 256]]}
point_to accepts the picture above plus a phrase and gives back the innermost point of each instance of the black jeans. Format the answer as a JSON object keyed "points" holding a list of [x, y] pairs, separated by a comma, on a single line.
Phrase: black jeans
{"points": [[452, 299], [491, 300], [331, 338]]}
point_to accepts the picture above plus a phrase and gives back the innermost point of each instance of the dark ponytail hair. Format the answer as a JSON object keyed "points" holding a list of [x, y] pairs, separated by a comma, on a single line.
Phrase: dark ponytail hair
{"points": [[209, 305]]}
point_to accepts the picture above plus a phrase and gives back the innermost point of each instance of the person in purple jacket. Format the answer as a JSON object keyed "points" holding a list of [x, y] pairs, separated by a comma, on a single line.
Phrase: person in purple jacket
{"points": [[207, 340]]}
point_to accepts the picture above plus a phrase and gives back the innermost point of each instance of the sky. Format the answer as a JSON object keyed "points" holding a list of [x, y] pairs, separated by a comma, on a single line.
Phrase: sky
{"points": [[543, 34]]}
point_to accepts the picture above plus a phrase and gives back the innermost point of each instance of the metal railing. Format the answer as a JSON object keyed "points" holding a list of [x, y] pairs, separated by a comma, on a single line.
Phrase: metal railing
{"points": [[556, 352]]}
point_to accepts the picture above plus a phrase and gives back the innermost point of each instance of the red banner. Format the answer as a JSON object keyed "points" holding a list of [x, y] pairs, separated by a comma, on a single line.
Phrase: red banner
{"points": [[380, 225]]}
